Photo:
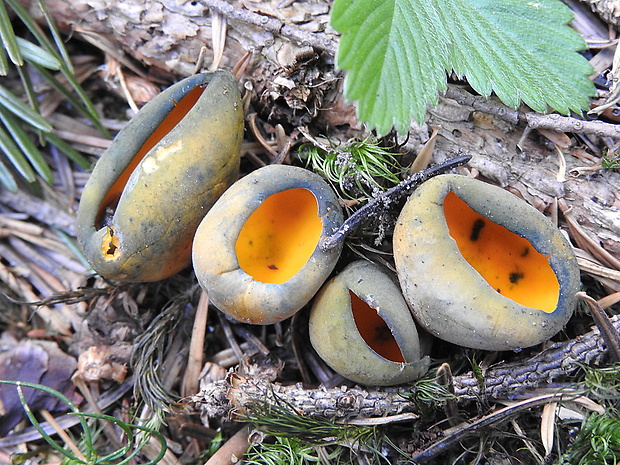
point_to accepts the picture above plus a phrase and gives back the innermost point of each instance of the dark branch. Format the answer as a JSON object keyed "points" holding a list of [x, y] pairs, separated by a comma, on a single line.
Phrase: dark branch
{"points": [[391, 195]]}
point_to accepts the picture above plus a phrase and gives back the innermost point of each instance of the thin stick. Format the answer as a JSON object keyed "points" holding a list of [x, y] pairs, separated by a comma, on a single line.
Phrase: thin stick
{"points": [[196, 348], [273, 25], [391, 195], [231, 452], [94, 406], [605, 326], [457, 434], [533, 120], [63, 435]]}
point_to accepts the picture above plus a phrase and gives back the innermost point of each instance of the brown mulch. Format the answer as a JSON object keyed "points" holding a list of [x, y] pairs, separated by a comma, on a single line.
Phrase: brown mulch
{"points": [[96, 341]]}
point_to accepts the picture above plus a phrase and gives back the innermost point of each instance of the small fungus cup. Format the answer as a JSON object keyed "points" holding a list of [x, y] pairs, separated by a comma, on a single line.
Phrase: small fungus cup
{"points": [[164, 170], [481, 268], [256, 252], [361, 327]]}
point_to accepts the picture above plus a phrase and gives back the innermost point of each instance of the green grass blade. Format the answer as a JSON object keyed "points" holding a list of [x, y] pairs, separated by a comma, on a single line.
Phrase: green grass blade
{"points": [[33, 27], [28, 88], [73, 247], [150, 432], [60, 88], [4, 63], [6, 178], [35, 54], [82, 104], [28, 148], [129, 436], [69, 151], [86, 432], [88, 109], [66, 68], [15, 155], [12, 103], [7, 35], [33, 419], [66, 59]]}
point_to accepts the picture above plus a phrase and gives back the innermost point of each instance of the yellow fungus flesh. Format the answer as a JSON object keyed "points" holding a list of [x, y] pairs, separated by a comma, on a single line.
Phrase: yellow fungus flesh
{"points": [[374, 330], [280, 236], [110, 244], [170, 121], [507, 261]]}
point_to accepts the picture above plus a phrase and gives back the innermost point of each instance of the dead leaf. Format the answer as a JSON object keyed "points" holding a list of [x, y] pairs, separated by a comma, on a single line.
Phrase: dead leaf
{"points": [[39, 362], [547, 426]]}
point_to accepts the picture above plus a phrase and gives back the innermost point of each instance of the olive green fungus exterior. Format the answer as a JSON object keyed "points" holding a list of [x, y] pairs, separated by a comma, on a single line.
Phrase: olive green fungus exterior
{"points": [[230, 288], [449, 297], [148, 237], [337, 339]]}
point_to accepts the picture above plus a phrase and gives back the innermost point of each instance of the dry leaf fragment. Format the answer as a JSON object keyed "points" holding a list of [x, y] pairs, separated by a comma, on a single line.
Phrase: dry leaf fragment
{"points": [[547, 426], [96, 365], [39, 362]]}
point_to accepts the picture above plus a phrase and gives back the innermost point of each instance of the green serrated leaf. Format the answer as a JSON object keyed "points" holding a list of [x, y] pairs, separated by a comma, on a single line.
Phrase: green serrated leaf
{"points": [[397, 53]]}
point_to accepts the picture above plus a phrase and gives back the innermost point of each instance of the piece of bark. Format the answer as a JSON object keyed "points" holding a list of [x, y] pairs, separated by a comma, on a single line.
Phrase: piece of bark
{"points": [[609, 10], [236, 394], [534, 171]]}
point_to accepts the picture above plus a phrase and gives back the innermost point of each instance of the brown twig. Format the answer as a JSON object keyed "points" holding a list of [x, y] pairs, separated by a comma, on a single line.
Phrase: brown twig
{"points": [[506, 380], [457, 434], [273, 25], [403, 188], [63, 435], [533, 120], [196, 348], [232, 451], [43, 212], [608, 332]]}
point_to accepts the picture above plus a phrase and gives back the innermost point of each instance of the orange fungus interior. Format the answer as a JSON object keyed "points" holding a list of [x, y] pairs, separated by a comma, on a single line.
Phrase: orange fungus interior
{"points": [[170, 121], [507, 261], [374, 330], [279, 236]]}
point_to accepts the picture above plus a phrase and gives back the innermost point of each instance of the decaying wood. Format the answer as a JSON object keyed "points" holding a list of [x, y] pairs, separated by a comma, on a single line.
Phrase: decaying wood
{"points": [[609, 10], [233, 395]]}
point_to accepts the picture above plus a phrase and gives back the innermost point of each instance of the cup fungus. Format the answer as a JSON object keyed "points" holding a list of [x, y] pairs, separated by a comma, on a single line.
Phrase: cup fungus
{"points": [[361, 326], [481, 268], [256, 252], [164, 170]]}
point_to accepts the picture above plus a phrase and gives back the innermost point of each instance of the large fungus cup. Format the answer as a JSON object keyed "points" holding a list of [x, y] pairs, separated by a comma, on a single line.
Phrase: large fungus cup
{"points": [[361, 327], [164, 170], [481, 268], [257, 254]]}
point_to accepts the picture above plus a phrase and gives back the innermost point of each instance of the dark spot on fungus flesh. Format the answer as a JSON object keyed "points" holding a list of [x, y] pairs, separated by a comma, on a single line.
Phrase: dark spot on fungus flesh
{"points": [[475, 230], [383, 333], [526, 251], [515, 277], [272, 267]]}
